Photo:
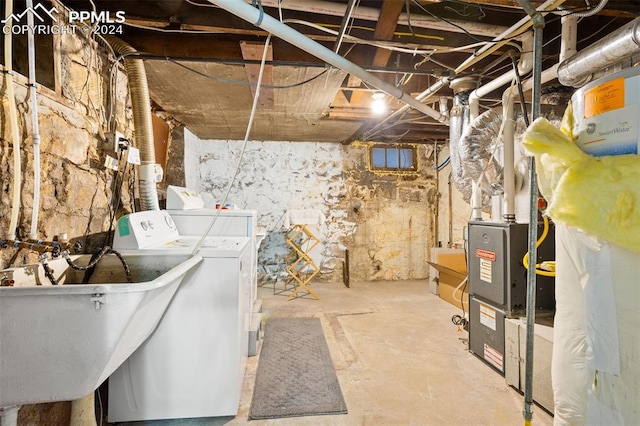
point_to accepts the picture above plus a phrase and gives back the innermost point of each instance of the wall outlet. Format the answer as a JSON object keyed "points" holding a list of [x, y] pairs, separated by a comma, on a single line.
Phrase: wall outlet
{"points": [[113, 141]]}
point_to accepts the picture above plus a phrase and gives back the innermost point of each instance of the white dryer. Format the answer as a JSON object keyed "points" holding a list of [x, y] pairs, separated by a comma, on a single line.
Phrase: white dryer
{"points": [[193, 364]]}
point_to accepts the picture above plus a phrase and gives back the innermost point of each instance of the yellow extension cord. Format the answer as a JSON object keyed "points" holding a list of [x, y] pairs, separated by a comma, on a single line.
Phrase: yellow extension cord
{"points": [[549, 264]]}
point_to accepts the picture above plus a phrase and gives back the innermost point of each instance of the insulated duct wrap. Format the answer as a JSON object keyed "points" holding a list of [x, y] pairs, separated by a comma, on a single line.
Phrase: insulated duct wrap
{"points": [[480, 147], [142, 121], [458, 120]]}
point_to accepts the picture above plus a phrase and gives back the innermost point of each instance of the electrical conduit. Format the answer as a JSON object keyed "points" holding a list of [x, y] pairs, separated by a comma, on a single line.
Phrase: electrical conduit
{"points": [[267, 23], [13, 124], [568, 44], [142, 121], [33, 233], [538, 24]]}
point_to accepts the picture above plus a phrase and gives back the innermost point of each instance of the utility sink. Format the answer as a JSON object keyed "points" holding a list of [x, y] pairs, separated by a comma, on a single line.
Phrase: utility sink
{"points": [[59, 343]]}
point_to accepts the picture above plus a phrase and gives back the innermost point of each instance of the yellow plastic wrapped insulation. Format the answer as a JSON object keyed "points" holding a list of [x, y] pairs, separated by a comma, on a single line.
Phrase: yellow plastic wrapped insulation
{"points": [[599, 195]]}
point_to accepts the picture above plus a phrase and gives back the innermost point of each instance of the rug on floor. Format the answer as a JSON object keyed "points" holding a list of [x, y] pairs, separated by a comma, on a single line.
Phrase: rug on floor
{"points": [[295, 373]]}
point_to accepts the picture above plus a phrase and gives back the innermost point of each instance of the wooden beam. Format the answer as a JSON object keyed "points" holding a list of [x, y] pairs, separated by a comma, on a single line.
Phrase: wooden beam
{"points": [[621, 11], [385, 28], [254, 51]]}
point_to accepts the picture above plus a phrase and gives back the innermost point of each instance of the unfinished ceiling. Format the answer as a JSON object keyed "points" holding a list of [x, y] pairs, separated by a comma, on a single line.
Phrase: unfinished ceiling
{"points": [[203, 62]]}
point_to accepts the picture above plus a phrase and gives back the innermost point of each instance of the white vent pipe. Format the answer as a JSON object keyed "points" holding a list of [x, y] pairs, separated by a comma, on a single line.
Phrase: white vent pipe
{"points": [[288, 34], [142, 121], [611, 49], [13, 124], [373, 14], [31, 46], [525, 65], [567, 49], [517, 28]]}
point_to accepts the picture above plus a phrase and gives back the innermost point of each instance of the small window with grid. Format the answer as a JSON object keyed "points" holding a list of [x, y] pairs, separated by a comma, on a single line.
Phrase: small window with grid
{"points": [[393, 158]]}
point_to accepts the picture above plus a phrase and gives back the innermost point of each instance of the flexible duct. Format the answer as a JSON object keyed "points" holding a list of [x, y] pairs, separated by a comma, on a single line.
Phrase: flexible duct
{"points": [[288, 34], [31, 47], [458, 121], [478, 146], [142, 121], [13, 124], [615, 47]]}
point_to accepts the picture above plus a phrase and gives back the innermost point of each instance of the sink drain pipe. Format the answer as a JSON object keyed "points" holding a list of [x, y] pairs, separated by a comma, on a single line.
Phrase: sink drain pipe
{"points": [[260, 19], [538, 25]]}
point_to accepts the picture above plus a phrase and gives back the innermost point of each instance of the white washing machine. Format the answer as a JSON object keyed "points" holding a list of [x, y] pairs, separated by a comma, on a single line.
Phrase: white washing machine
{"points": [[186, 208], [193, 364]]}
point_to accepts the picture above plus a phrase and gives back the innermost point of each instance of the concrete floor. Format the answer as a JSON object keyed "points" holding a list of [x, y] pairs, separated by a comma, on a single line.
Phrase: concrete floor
{"points": [[399, 359]]}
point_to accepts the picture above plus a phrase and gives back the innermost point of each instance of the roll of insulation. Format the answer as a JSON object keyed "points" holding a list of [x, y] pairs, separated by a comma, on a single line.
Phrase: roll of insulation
{"points": [[595, 367]]}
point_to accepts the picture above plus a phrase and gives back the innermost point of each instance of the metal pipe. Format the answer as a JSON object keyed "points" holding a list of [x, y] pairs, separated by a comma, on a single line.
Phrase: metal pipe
{"points": [[450, 243], [373, 14], [142, 121], [33, 233], [13, 123], [615, 47], [343, 25], [538, 24], [267, 23], [436, 206]]}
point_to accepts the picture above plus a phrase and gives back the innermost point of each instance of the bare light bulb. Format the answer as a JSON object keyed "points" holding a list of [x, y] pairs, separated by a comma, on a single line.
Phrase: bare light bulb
{"points": [[378, 105]]}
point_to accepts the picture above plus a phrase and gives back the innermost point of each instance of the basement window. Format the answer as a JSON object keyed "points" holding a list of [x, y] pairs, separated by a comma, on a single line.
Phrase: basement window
{"points": [[393, 158], [43, 40]]}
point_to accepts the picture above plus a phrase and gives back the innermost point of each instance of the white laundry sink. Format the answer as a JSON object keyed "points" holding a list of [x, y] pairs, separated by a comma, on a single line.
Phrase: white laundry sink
{"points": [[59, 343]]}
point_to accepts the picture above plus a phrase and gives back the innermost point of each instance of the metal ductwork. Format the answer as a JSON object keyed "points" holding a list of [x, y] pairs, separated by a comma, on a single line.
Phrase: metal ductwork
{"points": [[142, 121], [616, 47], [459, 117], [478, 152]]}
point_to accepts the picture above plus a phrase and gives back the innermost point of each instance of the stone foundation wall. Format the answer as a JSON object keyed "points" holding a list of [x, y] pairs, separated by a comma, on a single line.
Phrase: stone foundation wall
{"points": [[384, 219]]}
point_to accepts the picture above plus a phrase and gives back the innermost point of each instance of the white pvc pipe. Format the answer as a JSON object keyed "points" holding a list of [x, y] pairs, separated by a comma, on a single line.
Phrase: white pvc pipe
{"points": [[508, 154], [9, 415], [13, 124], [34, 115], [288, 34], [569, 37], [501, 39], [525, 65], [373, 14]]}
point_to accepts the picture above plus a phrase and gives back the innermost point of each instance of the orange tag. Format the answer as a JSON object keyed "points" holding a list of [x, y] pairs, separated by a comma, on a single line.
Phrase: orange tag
{"points": [[604, 98]]}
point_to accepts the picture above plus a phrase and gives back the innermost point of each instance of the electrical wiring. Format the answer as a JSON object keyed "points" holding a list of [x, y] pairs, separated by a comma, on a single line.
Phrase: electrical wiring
{"points": [[248, 83], [382, 45], [443, 164], [200, 4], [254, 107], [549, 264], [395, 33], [447, 21]]}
